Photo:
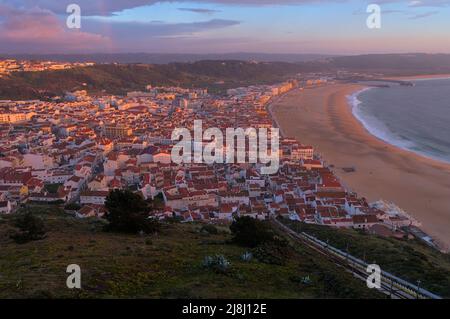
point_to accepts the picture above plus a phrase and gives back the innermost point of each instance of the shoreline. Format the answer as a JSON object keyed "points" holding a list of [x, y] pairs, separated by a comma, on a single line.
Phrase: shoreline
{"points": [[421, 77], [323, 117], [354, 102]]}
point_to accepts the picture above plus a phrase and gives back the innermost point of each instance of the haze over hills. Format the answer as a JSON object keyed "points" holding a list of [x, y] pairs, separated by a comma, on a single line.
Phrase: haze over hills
{"points": [[216, 75], [414, 63], [158, 58]]}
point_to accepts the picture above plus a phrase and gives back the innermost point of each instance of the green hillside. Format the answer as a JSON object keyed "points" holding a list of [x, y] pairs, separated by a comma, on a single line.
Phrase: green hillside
{"points": [[408, 259], [119, 79], [166, 265]]}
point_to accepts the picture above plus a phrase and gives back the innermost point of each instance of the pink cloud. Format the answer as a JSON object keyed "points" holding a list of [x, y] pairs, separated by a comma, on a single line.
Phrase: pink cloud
{"points": [[28, 29]]}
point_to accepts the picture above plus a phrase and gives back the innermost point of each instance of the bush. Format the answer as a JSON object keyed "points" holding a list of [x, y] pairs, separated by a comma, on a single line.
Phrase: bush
{"points": [[250, 232], [275, 252], [157, 202], [304, 280], [268, 255], [72, 206], [209, 229], [335, 285], [173, 220], [30, 228], [127, 212]]}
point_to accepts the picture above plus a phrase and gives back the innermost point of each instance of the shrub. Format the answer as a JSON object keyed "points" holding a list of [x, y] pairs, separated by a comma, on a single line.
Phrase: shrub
{"points": [[72, 206], [173, 220], [127, 212], [250, 232], [273, 253], [209, 229], [30, 228], [304, 280]]}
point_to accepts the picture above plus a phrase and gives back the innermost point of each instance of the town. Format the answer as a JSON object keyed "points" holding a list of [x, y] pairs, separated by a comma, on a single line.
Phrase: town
{"points": [[72, 151], [9, 66]]}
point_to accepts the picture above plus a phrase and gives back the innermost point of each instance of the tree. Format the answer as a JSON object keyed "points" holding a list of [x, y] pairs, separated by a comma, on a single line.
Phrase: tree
{"points": [[30, 228], [250, 232], [127, 212], [72, 206]]}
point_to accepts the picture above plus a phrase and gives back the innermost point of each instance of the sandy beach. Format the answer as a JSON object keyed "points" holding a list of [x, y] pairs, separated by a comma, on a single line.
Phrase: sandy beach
{"points": [[322, 117]]}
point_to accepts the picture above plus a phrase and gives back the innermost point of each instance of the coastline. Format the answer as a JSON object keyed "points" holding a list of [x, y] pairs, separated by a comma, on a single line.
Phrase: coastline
{"points": [[323, 117], [382, 135], [421, 77]]}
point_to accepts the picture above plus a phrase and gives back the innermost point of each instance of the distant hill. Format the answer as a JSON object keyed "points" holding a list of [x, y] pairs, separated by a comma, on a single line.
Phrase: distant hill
{"points": [[118, 79], [156, 58], [399, 64], [216, 75]]}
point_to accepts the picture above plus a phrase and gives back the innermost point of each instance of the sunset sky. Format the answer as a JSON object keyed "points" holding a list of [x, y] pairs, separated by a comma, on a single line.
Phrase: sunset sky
{"points": [[220, 26]]}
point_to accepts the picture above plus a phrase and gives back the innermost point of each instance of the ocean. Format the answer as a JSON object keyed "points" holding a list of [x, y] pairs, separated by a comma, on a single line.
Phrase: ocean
{"points": [[413, 118]]}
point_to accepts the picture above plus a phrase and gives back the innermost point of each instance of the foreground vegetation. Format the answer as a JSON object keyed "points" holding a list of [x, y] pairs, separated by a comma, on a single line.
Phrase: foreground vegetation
{"points": [[411, 260], [179, 261]]}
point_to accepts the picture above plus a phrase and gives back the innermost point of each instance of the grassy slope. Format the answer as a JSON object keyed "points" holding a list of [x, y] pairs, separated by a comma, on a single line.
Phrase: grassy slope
{"points": [[163, 266], [410, 260]]}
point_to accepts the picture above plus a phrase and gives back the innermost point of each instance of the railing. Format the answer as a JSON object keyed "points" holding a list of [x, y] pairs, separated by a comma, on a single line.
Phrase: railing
{"points": [[404, 288]]}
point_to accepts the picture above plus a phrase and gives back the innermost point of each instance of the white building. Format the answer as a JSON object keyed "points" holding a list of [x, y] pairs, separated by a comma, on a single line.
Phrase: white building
{"points": [[38, 161], [5, 207], [93, 197]]}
